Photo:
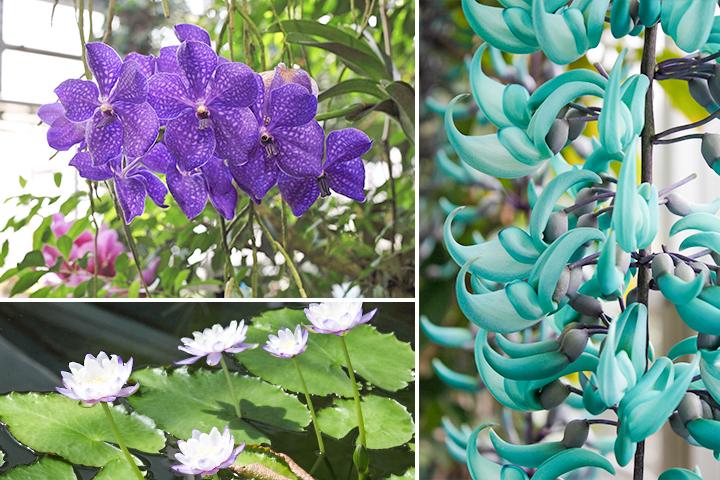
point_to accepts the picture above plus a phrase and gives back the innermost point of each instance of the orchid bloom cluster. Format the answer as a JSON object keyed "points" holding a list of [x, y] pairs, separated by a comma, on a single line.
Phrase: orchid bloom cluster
{"points": [[206, 124], [542, 299]]}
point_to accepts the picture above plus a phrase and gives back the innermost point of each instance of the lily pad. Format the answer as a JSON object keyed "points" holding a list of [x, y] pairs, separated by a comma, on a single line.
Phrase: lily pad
{"points": [[115, 470], [387, 423], [408, 475], [52, 423], [44, 469], [180, 402]]}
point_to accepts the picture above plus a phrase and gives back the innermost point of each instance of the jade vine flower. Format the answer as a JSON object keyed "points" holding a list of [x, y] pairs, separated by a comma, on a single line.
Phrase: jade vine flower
{"points": [[287, 343], [205, 454], [336, 318], [212, 342], [98, 379]]}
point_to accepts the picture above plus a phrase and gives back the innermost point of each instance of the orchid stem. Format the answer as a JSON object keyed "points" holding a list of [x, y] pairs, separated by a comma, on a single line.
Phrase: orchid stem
{"points": [[231, 26], [121, 442], [94, 289], [81, 28], [108, 21], [254, 271], [356, 392], [311, 407], [288, 259], [228, 379], [166, 8]]}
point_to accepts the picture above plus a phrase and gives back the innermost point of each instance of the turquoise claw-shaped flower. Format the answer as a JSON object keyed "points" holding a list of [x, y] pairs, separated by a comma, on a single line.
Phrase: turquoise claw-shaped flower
{"points": [[708, 227], [451, 337], [680, 474], [688, 23], [453, 379], [456, 439], [611, 273]]}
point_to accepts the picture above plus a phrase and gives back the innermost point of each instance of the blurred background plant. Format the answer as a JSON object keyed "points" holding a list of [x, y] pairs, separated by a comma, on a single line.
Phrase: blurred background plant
{"points": [[361, 53], [446, 45]]}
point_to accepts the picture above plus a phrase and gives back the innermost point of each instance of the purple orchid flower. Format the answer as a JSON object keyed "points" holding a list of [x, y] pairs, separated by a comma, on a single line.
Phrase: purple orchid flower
{"points": [[116, 107], [133, 180], [192, 189], [287, 141], [342, 172], [167, 59], [205, 106], [63, 133]]}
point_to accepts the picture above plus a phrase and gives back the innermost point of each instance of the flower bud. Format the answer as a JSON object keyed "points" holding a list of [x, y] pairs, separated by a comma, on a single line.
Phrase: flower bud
{"points": [[557, 137], [662, 264], [586, 305], [684, 272], [710, 149], [678, 426], [360, 459], [576, 123], [562, 286], [556, 226], [582, 196], [690, 408], [705, 341], [587, 220], [700, 92], [576, 279], [553, 394], [573, 343], [678, 205], [576, 434], [714, 83]]}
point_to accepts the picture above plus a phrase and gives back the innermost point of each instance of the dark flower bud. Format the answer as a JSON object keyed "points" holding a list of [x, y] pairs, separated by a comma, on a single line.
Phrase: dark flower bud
{"points": [[557, 137], [576, 279], [700, 92], [678, 426], [576, 123], [576, 434], [562, 286], [573, 344], [714, 83], [690, 408], [553, 394], [662, 264], [684, 272], [587, 220], [678, 205], [710, 149], [587, 305], [556, 226], [705, 341], [582, 196]]}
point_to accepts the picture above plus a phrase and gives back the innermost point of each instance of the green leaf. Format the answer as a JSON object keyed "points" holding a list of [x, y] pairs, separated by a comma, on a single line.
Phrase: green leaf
{"points": [[4, 252], [387, 423], [267, 458], [354, 85], [180, 279], [359, 61], [181, 402], [44, 469], [408, 475], [78, 227], [27, 280], [32, 259], [65, 244], [52, 423], [321, 368], [327, 32], [115, 470], [403, 94], [22, 181], [57, 178]]}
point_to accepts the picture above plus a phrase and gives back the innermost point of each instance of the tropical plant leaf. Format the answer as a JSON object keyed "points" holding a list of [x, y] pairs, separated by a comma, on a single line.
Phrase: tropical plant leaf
{"points": [[44, 469], [52, 423], [181, 402], [115, 470], [408, 475], [403, 94], [354, 85], [387, 423], [357, 60], [255, 455], [326, 32]]}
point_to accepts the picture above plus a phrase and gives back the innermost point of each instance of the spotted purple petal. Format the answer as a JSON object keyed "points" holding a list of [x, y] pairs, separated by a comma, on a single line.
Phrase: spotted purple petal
{"points": [[236, 133], [167, 94], [347, 178], [50, 112], [189, 191], [140, 127], [104, 137], [257, 176], [220, 187], [186, 32], [234, 85], [167, 61], [300, 149], [346, 144], [104, 63], [131, 196], [291, 105], [154, 187], [159, 159], [131, 85], [145, 62], [63, 134], [190, 144], [282, 75], [79, 97], [299, 193], [197, 62], [259, 108], [84, 165]]}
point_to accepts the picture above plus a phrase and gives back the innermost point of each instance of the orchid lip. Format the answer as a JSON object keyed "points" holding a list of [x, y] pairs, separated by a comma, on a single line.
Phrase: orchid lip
{"points": [[323, 184]]}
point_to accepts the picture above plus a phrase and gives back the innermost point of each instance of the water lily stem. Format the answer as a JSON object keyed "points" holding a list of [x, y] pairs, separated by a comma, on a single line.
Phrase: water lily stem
{"points": [[647, 67], [356, 392], [121, 442], [231, 389], [311, 407]]}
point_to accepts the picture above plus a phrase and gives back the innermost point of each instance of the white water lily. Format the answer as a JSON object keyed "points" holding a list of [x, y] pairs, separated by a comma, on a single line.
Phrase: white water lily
{"points": [[214, 341], [206, 454], [287, 344], [98, 379], [336, 318]]}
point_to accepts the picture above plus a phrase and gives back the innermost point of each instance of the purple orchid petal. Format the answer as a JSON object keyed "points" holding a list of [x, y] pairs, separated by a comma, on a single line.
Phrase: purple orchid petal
{"points": [[220, 187], [154, 187], [346, 144], [131, 196], [190, 144], [299, 193], [104, 138], [300, 149], [167, 60], [291, 105], [63, 134], [79, 97], [83, 162], [347, 178], [282, 75], [189, 191], [50, 112], [145, 62], [140, 126], [187, 32], [167, 94], [198, 62], [105, 64], [213, 358], [236, 133], [131, 85], [234, 85], [259, 108], [257, 176], [159, 159]]}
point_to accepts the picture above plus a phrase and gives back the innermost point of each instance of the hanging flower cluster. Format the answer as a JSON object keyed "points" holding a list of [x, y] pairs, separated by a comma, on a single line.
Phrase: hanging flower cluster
{"points": [[206, 124]]}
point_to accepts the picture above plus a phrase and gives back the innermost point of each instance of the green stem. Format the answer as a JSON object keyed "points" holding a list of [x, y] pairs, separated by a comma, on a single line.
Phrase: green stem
{"points": [[228, 379], [356, 392], [321, 445], [81, 30], [231, 26], [254, 271], [108, 20], [166, 8], [216, 476], [288, 259], [94, 287], [121, 442]]}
